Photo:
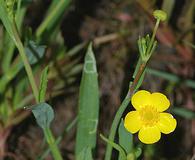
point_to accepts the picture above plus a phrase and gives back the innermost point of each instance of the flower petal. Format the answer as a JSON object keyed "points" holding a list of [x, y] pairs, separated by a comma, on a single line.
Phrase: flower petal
{"points": [[132, 122], [160, 101], [141, 99], [149, 135], [167, 123]]}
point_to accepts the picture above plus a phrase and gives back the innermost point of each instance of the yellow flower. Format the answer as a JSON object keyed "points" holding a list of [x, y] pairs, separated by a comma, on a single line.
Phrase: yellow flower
{"points": [[149, 118]]}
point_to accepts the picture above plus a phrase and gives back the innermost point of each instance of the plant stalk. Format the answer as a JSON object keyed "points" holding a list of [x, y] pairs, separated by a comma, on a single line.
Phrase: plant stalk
{"points": [[153, 36], [121, 110], [52, 144], [25, 61]]}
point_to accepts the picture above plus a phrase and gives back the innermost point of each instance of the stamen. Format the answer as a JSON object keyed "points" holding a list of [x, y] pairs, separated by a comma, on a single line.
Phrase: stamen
{"points": [[149, 115]]}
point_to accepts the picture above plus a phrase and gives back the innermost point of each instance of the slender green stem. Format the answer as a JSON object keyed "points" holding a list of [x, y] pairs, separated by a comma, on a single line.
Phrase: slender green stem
{"points": [[52, 144], [115, 125], [126, 101], [25, 61], [116, 146], [122, 108], [153, 36], [137, 77]]}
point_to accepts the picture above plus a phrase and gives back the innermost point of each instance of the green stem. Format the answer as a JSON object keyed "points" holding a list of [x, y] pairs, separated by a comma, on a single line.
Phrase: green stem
{"points": [[52, 145], [25, 60], [115, 125], [140, 71], [116, 146], [153, 36], [121, 109]]}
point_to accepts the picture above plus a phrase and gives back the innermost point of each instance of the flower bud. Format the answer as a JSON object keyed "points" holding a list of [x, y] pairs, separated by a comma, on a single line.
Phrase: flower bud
{"points": [[160, 14]]}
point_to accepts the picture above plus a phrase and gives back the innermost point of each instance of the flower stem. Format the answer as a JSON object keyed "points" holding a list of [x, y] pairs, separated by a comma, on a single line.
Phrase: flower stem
{"points": [[153, 36], [115, 125], [121, 109], [52, 144], [141, 69], [47, 132], [25, 60]]}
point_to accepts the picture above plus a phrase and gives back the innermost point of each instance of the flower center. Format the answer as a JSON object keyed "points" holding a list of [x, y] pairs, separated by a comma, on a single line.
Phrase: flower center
{"points": [[149, 115]]}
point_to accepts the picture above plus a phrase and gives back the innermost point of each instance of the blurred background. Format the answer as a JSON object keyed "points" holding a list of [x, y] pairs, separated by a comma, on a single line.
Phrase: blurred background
{"points": [[114, 27]]}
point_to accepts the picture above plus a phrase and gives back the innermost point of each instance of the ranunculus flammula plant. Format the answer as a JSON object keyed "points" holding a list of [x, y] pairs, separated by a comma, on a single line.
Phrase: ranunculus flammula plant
{"points": [[149, 118]]}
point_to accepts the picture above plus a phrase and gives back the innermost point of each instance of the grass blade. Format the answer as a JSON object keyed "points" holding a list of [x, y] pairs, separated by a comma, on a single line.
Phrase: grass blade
{"points": [[53, 17], [183, 112], [171, 77]]}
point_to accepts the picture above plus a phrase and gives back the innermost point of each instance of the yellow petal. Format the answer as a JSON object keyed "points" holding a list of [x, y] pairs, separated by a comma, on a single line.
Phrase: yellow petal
{"points": [[141, 99], [149, 135], [160, 101], [132, 122], [167, 123]]}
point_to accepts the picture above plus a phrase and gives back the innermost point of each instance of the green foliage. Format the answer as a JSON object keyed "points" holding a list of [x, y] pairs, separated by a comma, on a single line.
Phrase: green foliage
{"points": [[14, 88], [34, 52], [53, 17], [139, 83], [88, 105], [183, 112], [125, 139], [137, 152], [116, 146], [5, 19], [171, 77], [85, 154], [44, 114], [43, 84]]}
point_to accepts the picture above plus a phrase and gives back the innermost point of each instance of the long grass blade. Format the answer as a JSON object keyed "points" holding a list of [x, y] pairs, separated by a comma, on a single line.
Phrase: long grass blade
{"points": [[53, 17]]}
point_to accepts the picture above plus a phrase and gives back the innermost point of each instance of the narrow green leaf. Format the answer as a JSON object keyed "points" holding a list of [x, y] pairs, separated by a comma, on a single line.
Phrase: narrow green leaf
{"points": [[8, 76], [88, 104], [171, 77], [9, 45], [6, 19], [18, 97], [34, 54], [85, 154], [53, 17], [73, 51], [44, 114], [43, 85], [125, 139], [183, 112]]}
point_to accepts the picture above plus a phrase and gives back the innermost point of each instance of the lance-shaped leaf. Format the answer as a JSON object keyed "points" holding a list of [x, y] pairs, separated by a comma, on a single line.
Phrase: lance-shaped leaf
{"points": [[88, 105]]}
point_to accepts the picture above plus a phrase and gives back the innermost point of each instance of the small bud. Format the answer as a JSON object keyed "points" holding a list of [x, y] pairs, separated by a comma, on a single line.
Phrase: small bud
{"points": [[160, 14]]}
